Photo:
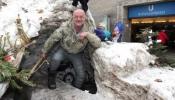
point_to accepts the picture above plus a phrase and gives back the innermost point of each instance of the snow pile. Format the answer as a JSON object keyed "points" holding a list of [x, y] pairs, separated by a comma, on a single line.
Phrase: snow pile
{"points": [[31, 12], [160, 80], [124, 58], [122, 72]]}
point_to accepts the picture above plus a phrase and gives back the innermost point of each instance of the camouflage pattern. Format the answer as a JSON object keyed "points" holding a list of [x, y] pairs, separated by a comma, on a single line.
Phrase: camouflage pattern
{"points": [[69, 39]]}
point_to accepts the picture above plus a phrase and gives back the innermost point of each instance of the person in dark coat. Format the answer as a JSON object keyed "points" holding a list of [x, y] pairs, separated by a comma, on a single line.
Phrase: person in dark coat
{"points": [[102, 33], [83, 4]]}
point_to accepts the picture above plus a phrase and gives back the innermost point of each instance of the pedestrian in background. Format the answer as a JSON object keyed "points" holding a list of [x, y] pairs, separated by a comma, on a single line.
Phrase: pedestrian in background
{"points": [[162, 35], [102, 33], [118, 32]]}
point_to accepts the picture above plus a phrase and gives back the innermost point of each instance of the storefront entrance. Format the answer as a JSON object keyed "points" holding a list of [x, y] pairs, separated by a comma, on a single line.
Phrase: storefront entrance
{"points": [[154, 18], [155, 25]]}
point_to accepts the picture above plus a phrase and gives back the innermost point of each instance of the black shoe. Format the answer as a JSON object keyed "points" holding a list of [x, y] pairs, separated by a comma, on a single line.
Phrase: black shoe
{"points": [[75, 3], [51, 80]]}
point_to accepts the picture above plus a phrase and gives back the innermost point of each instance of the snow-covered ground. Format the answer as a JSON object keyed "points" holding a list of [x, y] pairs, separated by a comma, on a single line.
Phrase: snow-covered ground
{"points": [[160, 80], [31, 12]]}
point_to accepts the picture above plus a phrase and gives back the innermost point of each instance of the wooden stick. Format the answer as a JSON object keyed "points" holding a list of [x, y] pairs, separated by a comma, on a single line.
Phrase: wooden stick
{"points": [[41, 65], [35, 67]]}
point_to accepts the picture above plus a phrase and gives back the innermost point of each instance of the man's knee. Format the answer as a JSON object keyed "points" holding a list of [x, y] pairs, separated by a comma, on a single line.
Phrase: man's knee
{"points": [[58, 56]]}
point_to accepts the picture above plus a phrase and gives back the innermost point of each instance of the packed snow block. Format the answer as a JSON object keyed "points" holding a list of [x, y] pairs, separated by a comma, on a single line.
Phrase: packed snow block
{"points": [[116, 60], [122, 59], [122, 72]]}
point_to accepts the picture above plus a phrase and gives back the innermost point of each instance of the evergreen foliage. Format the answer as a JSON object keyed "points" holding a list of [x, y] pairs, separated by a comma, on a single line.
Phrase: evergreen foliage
{"points": [[9, 73], [156, 48]]}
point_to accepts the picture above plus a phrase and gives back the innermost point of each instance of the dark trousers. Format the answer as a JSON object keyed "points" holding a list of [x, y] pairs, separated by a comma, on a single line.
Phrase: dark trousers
{"points": [[83, 4], [75, 59]]}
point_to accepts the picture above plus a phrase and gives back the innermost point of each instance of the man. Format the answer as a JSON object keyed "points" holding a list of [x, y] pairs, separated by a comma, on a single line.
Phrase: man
{"points": [[83, 4], [73, 38]]}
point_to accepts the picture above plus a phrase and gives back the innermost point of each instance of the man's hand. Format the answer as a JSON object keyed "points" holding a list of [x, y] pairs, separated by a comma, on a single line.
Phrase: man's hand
{"points": [[43, 55], [83, 35]]}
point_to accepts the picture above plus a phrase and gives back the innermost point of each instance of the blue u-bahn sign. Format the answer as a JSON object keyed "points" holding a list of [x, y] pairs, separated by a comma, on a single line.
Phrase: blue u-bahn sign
{"points": [[152, 10]]}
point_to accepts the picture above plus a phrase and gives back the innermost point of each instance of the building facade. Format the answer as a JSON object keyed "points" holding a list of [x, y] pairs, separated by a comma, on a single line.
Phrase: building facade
{"points": [[136, 14]]}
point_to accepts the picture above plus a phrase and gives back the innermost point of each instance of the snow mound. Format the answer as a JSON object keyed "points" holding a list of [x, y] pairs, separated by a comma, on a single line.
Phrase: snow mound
{"points": [[123, 72], [31, 12], [160, 80], [124, 58]]}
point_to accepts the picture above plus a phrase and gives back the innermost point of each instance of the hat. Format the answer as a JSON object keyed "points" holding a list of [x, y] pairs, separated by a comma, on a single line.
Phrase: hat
{"points": [[101, 25]]}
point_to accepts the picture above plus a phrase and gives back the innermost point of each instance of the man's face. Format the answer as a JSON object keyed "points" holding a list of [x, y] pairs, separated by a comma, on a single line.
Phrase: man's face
{"points": [[79, 18]]}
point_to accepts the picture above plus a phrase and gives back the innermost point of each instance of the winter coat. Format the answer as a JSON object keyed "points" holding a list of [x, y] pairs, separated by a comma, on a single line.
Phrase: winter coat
{"points": [[107, 35], [104, 35], [163, 37], [100, 33], [69, 39]]}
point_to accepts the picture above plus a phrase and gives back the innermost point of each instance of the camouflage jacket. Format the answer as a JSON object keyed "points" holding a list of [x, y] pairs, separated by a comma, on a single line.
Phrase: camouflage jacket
{"points": [[69, 39]]}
